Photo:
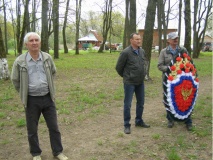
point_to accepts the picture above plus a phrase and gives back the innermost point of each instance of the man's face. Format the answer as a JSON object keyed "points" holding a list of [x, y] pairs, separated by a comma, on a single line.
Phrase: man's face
{"points": [[136, 40], [173, 41], [33, 44]]}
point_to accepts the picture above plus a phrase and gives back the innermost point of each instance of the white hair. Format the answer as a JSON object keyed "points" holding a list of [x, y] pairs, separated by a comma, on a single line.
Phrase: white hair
{"points": [[26, 38]]}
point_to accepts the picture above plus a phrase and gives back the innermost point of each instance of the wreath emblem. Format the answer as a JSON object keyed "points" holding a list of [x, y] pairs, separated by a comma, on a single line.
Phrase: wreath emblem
{"points": [[181, 87]]}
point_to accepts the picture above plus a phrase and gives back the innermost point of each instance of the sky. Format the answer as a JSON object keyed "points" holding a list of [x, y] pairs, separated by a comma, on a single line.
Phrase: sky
{"points": [[119, 5], [88, 5]]}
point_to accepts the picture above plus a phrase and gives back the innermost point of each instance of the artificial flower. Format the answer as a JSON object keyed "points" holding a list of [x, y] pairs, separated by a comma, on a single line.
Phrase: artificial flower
{"points": [[173, 68], [181, 65], [179, 71], [178, 59], [170, 78], [185, 55]]}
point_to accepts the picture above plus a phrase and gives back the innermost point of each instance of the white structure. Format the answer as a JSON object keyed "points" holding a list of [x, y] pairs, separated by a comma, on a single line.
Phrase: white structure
{"points": [[4, 71]]}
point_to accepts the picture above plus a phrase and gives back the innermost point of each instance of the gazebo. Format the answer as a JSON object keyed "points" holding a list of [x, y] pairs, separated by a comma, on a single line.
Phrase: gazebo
{"points": [[92, 38]]}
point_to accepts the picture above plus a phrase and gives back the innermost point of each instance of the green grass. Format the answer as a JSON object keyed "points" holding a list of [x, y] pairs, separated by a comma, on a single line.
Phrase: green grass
{"points": [[21, 122], [88, 89], [173, 155], [156, 136], [203, 66]]}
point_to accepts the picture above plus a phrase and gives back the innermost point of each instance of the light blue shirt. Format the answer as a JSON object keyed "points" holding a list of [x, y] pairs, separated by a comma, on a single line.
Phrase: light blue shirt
{"points": [[173, 51], [38, 85], [136, 51]]}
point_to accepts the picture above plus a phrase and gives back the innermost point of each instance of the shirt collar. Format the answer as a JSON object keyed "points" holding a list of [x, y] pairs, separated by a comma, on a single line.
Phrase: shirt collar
{"points": [[173, 51], [29, 57], [136, 51]]}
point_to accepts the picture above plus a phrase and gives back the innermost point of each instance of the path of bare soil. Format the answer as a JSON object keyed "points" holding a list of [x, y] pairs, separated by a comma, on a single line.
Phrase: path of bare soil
{"points": [[102, 138]]}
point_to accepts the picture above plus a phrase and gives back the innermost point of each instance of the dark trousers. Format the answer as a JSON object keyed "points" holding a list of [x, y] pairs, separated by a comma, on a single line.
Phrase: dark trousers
{"points": [[129, 91], [35, 106]]}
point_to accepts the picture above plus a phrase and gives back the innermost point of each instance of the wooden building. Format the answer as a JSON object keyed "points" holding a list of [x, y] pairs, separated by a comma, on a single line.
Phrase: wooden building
{"points": [[207, 38], [155, 36]]}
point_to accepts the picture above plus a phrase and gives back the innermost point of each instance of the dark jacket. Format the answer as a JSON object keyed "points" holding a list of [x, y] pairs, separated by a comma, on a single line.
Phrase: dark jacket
{"points": [[131, 66]]}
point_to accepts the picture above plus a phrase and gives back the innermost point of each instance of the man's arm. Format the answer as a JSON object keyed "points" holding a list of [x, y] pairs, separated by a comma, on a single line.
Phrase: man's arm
{"points": [[121, 63], [15, 76], [161, 62]]}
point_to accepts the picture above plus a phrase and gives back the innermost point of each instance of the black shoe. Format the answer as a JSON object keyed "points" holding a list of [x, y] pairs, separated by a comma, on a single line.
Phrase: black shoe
{"points": [[127, 130], [142, 124], [170, 124], [189, 127]]}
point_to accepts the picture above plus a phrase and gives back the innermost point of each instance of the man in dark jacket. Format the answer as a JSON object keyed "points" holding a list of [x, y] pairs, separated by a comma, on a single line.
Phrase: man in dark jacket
{"points": [[131, 66]]}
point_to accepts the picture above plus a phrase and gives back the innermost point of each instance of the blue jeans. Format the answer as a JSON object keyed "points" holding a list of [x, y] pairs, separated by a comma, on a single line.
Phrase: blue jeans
{"points": [[129, 90], [36, 106]]}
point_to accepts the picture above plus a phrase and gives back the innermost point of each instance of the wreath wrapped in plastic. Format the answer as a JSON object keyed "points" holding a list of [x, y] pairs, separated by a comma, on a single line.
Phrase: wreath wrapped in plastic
{"points": [[180, 85]]}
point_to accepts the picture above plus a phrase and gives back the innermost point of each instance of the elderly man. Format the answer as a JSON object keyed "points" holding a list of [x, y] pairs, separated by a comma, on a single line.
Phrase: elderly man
{"points": [[32, 76]]}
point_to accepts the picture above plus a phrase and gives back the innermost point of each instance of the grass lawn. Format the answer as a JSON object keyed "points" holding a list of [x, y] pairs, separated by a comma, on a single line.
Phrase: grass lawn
{"points": [[89, 98]]}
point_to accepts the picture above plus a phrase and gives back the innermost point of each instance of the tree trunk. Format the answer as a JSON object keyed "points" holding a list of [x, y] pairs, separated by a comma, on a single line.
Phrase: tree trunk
{"points": [[130, 21], [179, 24], [107, 19], [18, 26], [159, 9], [165, 20], [78, 19], [14, 31], [5, 27], [44, 30], [56, 28], [148, 32], [4, 71], [33, 24], [2, 48], [200, 15], [24, 26], [187, 13], [64, 28]]}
